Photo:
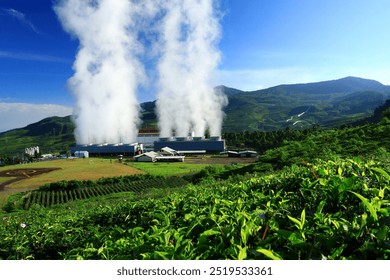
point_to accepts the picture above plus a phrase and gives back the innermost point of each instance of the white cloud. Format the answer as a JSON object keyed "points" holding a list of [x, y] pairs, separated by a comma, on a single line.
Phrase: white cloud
{"points": [[32, 57], [21, 18], [16, 115]]}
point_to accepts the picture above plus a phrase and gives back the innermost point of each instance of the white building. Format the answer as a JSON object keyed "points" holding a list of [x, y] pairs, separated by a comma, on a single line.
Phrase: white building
{"points": [[81, 154], [147, 157], [168, 155], [31, 151]]}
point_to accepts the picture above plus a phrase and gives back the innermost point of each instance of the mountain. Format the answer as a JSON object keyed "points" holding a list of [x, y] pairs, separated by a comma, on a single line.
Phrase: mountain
{"points": [[379, 113], [326, 104], [229, 91], [50, 134], [148, 115], [340, 86]]}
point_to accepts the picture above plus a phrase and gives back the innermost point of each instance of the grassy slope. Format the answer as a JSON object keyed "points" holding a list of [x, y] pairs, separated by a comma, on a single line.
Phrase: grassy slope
{"points": [[229, 219], [52, 135], [166, 168]]}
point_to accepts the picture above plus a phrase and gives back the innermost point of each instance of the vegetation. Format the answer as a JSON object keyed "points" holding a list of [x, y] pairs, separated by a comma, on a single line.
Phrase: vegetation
{"points": [[326, 210], [66, 191], [75, 169], [52, 135], [325, 104], [313, 194], [167, 168]]}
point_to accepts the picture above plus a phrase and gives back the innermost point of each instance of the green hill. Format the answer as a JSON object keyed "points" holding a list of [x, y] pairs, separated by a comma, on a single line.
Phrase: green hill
{"points": [[325, 104], [315, 195], [52, 134]]}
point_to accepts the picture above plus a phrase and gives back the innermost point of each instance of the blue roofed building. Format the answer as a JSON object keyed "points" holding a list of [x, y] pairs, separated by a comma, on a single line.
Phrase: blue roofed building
{"points": [[211, 145]]}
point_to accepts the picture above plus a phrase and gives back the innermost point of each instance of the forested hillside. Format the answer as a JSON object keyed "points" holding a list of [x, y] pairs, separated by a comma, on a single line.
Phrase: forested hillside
{"points": [[321, 105], [318, 194]]}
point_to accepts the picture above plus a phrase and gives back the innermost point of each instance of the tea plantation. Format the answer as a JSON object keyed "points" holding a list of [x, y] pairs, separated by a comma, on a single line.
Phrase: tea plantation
{"points": [[328, 210], [324, 196]]}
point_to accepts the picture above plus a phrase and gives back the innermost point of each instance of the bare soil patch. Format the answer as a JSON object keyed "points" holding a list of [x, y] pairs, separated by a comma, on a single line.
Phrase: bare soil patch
{"points": [[22, 174]]}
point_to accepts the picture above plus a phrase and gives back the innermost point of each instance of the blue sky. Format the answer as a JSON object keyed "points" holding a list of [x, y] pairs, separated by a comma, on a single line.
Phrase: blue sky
{"points": [[264, 43]]}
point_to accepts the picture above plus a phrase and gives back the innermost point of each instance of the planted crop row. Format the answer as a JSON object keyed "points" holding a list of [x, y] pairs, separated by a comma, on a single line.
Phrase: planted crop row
{"points": [[331, 210], [49, 198]]}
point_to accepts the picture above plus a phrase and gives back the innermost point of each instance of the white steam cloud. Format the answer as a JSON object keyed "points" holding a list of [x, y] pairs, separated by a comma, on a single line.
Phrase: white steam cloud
{"points": [[107, 71], [187, 101], [182, 35]]}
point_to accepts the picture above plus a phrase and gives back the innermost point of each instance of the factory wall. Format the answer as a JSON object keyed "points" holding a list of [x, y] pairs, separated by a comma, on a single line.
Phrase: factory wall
{"points": [[210, 146], [106, 150]]}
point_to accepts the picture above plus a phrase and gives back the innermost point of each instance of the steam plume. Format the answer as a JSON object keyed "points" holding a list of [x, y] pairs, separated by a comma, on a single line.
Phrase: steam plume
{"points": [[186, 99], [107, 69]]}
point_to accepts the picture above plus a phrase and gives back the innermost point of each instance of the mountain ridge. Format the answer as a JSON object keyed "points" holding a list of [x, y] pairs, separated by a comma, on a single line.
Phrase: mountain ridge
{"points": [[326, 104]]}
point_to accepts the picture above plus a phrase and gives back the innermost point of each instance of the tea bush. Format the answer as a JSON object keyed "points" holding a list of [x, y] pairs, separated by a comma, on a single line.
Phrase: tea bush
{"points": [[325, 210]]}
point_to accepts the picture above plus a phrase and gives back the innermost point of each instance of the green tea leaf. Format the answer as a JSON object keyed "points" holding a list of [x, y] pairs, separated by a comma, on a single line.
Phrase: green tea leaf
{"points": [[338, 251], [303, 216], [382, 172], [381, 193], [208, 233], [295, 238], [242, 253], [368, 205], [245, 231], [269, 254], [297, 222], [383, 233], [320, 206]]}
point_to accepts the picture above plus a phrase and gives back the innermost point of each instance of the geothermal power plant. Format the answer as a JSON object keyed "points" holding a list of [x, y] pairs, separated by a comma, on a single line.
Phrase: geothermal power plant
{"points": [[191, 144], [113, 62], [183, 145]]}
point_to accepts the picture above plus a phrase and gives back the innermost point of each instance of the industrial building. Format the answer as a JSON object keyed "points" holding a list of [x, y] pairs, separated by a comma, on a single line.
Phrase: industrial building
{"points": [[81, 154], [154, 156], [148, 139], [103, 150], [146, 157], [191, 144], [147, 136]]}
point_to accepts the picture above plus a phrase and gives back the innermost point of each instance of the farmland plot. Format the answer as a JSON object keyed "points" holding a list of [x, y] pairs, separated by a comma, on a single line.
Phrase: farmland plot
{"points": [[49, 198]]}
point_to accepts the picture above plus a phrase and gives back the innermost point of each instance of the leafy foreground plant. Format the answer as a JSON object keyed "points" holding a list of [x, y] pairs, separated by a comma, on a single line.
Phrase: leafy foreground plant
{"points": [[328, 210]]}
